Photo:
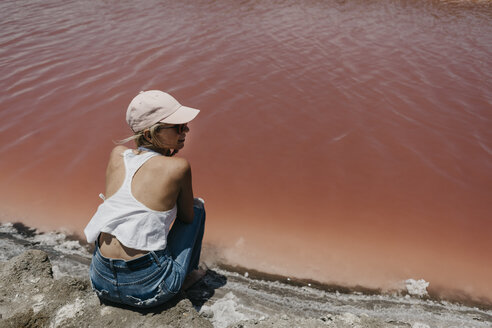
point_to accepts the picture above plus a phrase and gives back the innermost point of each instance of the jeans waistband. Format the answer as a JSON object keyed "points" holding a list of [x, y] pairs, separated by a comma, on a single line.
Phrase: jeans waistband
{"points": [[142, 261]]}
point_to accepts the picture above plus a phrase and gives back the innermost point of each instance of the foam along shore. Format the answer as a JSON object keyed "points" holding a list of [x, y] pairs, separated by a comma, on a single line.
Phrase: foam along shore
{"points": [[43, 283]]}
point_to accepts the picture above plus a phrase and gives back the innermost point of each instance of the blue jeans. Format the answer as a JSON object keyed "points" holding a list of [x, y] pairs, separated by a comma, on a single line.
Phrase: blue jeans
{"points": [[155, 277]]}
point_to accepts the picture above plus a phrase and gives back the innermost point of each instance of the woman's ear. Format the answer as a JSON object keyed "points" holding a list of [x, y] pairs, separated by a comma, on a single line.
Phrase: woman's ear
{"points": [[147, 136]]}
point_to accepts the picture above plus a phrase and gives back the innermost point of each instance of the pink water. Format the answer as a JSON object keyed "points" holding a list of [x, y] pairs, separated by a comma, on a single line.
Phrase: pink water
{"points": [[344, 141]]}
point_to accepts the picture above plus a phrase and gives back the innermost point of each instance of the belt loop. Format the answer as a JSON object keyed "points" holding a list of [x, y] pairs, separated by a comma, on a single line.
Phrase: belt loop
{"points": [[156, 259]]}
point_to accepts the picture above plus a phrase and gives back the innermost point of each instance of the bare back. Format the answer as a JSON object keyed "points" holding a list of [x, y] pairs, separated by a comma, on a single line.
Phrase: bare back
{"points": [[160, 184]]}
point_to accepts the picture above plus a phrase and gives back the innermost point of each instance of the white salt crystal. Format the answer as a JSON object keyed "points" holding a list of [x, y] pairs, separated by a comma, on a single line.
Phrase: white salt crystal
{"points": [[420, 325], [417, 287]]}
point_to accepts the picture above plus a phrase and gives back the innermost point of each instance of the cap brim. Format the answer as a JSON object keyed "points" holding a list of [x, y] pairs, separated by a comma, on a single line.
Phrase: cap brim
{"points": [[182, 115]]}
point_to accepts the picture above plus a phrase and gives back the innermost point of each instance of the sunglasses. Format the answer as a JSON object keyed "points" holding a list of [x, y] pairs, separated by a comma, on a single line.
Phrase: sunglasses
{"points": [[179, 127]]}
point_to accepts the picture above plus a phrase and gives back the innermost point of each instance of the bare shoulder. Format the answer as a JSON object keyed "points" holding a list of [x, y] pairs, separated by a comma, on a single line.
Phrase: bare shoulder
{"points": [[118, 151], [180, 163], [178, 166], [116, 156]]}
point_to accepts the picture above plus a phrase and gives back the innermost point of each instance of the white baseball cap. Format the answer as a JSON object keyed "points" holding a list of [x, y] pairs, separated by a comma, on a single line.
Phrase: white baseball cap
{"points": [[153, 106]]}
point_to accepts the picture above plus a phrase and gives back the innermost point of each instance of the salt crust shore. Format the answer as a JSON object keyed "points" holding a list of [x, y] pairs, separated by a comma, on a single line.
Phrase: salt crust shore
{"points": [[49, 288]]}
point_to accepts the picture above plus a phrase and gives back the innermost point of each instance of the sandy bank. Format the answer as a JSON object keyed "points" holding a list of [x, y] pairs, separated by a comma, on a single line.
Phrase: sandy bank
{"points": [[31, 297], [44, 283]]}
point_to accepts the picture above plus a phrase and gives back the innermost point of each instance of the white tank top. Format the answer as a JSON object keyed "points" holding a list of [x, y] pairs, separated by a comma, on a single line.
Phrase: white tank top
{"points": [[131, 222]]}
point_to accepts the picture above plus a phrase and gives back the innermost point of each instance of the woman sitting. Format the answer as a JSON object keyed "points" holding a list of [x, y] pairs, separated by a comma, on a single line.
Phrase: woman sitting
{"points": [[138, 260]]}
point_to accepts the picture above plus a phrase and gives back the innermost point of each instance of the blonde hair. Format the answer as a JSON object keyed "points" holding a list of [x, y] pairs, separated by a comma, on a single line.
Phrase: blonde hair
{"points": [[153, 144]]}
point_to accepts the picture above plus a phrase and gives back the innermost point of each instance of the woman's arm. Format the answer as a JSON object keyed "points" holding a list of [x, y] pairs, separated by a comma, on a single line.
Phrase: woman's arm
{"points": [[185, 196]]}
